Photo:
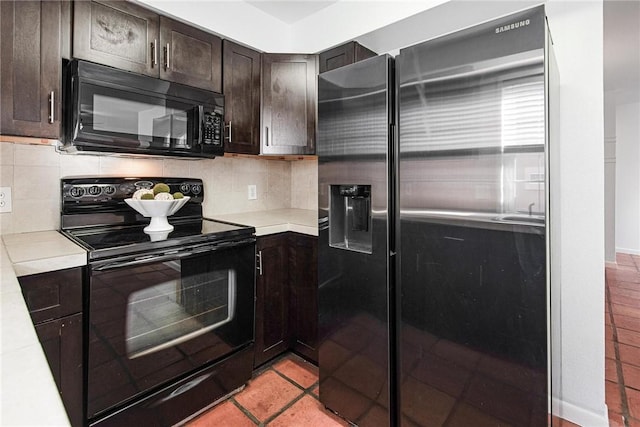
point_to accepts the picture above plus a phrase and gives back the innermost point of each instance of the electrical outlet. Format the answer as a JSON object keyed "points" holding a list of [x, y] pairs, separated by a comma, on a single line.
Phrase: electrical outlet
{"points": [[253, 193], [5, 199]]}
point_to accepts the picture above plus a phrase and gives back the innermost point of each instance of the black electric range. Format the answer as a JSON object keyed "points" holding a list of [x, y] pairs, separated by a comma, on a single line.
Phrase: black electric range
{"points": [[168, 323], [95, 216]]}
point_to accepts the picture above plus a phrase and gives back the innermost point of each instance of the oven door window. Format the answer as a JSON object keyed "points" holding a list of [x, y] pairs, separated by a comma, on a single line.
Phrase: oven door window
{"points": [[179, 308], [114, 117], [151, 323]]}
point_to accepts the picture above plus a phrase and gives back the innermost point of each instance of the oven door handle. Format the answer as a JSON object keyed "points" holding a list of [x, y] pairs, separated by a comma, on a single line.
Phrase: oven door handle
{"points": [[172, 256], [148, 259]]}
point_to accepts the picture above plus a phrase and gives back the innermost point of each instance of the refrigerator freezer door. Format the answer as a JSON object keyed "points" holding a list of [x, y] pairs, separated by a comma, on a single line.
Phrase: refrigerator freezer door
{"points": [[354, 112]]}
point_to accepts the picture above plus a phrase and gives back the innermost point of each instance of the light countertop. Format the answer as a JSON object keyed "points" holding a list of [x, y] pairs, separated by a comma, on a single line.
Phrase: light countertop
{"points": [[29, 393], [42, 251], [276, 221]]}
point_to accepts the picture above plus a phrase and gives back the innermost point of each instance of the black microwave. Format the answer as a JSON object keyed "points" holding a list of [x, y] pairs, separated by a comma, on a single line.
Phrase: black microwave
{"points": [[115, 111]]}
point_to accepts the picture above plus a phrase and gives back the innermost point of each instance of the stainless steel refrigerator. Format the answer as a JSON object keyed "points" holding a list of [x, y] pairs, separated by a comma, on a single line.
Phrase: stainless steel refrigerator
{"points": [[433, 243]]}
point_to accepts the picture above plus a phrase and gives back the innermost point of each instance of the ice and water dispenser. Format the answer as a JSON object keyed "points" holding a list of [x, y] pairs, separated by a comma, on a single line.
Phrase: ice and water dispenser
{"points": [[350, 218]]}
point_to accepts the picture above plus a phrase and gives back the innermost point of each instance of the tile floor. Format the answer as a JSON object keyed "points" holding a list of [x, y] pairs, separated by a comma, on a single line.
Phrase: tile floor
{"points": [[622, 345], [285, 393]]}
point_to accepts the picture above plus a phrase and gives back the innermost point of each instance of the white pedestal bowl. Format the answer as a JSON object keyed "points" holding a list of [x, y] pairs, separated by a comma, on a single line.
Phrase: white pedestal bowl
{"points": [[158, 210]]}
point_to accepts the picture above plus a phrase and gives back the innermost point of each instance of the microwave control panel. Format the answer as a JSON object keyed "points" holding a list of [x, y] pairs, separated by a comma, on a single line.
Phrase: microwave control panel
{"points": [[212, 129]]}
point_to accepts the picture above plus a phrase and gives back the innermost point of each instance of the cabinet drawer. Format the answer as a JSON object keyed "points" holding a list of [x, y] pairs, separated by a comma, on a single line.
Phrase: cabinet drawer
{"points": [[53, 294]]}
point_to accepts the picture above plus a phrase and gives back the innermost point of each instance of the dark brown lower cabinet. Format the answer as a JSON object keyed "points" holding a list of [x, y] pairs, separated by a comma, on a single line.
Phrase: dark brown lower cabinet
{"points": [[286, 296], [272, 298], [54, 300], [303, 287], [61, 340]]}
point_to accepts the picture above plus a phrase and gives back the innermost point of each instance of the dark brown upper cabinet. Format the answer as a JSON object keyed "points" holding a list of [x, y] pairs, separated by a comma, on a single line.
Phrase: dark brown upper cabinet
{"points": [[241, 87], [129, 37], [117, 33], [31, 68], [289, 103], [190, 56], [342, 55]]}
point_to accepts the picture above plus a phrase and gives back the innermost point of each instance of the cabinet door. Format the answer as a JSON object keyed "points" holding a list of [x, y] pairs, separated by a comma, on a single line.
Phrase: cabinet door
{"points": [[303, 276], [289, 104], [54, 294], [190, 56], [272, 298], [61, 340], [241, 88], [30, 70], [337, 57], [117, 33], [342, 55]]}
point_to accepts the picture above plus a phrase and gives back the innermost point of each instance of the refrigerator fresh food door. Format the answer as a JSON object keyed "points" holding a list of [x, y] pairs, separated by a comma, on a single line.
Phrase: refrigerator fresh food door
{"points": [[472, 211]]}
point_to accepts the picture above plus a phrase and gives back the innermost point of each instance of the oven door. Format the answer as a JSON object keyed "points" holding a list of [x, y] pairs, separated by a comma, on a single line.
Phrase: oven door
{"points": [[155, 318]]}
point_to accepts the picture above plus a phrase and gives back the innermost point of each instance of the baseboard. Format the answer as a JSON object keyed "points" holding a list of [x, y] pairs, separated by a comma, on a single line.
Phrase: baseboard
{"points": [[628, 251], [578, 415]]}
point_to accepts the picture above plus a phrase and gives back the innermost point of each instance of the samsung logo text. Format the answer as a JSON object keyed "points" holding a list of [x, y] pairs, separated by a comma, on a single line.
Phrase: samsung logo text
{"points": [[513, 26]]}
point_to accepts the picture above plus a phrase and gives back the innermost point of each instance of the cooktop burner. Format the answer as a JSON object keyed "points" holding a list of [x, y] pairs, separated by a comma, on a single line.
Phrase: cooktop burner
{"points": [[95, 216]]}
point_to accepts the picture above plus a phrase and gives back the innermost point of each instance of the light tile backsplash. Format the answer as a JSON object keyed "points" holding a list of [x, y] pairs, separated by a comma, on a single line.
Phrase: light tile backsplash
{"points": [[304, 184], [33, 172]]}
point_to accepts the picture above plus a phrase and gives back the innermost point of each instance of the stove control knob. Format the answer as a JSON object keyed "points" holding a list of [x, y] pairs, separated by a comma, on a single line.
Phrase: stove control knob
{"points": [[94, 190], [196, 189], [109, 190], [76, 192], [184, 188]]}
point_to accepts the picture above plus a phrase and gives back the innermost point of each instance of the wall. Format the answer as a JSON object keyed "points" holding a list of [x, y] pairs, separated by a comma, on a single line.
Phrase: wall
{"points": [[343, 20], [609, 176], [33, 172], [577, 30], [627, 119]]}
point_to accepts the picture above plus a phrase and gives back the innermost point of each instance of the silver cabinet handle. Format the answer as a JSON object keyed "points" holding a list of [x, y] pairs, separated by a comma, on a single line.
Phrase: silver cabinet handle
{"points": [[228, 137], [52, 106], [166, 58], [259, 259], [154, 53], [267, 136]]}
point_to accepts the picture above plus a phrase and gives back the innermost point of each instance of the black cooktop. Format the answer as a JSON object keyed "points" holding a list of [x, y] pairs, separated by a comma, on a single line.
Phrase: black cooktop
{"points": [[119, 241], [95, 216]]}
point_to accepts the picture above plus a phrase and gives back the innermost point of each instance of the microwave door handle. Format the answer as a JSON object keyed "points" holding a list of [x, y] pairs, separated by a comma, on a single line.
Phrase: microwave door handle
{"points": [[74, 118], [199, 125]]}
